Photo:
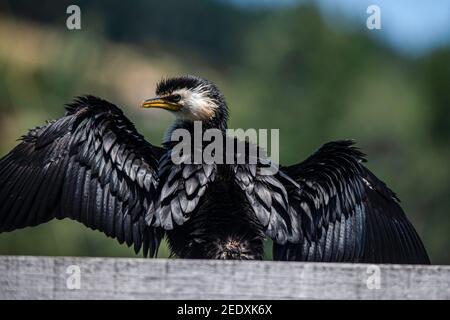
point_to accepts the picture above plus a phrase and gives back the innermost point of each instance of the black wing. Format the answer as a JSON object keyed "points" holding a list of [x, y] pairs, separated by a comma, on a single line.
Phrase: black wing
{"points": [[90, 165], [260, 181], [268, 199], [180, 189], [342, 212]]}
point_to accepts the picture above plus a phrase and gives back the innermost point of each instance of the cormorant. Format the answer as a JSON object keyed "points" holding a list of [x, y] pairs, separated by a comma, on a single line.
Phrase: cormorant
{"points": [[94, 167]]}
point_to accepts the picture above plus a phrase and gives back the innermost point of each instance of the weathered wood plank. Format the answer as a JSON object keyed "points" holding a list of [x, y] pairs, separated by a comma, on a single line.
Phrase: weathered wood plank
{"points": [[109, 278]]}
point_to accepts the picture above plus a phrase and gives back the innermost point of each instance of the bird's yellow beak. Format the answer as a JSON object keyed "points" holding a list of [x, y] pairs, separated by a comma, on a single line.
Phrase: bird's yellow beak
{"points": [[161, 103]]}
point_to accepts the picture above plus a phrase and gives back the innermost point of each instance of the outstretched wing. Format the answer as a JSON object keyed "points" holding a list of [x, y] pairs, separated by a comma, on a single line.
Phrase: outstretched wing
{"points": [[268, 199], [260, 181], [181, 188], [342, 212], [91, 166]]}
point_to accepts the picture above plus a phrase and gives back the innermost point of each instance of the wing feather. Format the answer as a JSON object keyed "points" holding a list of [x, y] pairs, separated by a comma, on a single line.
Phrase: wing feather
{"points": [[90, 165], [342, 212]]}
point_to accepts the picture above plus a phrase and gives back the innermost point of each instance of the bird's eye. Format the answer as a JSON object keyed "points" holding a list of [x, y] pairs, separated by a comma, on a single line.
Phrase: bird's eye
{"points": [[175, 98]]}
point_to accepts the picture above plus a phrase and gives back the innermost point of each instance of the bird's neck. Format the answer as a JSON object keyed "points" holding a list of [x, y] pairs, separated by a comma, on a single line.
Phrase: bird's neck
{"points": [[193, 128]]}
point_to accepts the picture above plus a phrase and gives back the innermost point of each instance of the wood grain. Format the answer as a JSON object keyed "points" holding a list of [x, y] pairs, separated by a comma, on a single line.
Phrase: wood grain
{"points": [[29, 277]]}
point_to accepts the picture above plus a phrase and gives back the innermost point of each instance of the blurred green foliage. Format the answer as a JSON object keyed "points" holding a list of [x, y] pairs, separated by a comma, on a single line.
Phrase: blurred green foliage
{"points": [[281, 68]]}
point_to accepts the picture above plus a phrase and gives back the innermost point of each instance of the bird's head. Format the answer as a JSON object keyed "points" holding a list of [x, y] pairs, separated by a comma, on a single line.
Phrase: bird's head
{"points": [[191, 99]]}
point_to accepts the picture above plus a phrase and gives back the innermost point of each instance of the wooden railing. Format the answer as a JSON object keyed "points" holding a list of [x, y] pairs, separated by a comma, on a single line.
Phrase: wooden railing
{"points": [[29, 277]]}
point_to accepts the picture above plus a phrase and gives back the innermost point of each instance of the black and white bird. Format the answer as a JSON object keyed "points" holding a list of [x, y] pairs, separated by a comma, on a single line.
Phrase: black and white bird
{"points": [[92, 166]]}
